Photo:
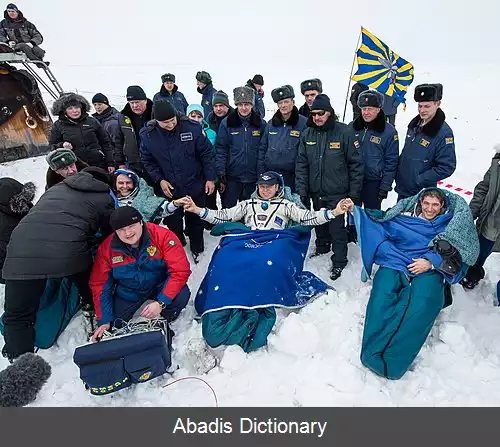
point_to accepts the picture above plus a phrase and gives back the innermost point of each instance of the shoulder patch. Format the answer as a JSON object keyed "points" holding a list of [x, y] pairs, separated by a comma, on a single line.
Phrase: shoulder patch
{"points": [[171, 242], [294, 133], [375, 139], [127, 120], [116, 259], [356, 144], [449, 140], [335, 145], [255, 133], [424, 142], [396, 138]]}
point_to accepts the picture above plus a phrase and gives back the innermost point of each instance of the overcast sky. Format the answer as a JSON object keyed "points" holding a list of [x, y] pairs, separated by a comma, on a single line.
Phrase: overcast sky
{"points": [[107, 45]]}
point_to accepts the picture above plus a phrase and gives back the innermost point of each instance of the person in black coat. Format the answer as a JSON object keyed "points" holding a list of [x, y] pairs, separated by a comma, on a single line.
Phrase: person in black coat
{"points": [[54, 240], [81, 133], [16, 200]]}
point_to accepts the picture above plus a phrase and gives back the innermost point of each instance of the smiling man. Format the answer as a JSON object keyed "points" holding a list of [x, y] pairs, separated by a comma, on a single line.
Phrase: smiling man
{"points": [[422, 245], [269, 210], [141, 268], [428, 155]]}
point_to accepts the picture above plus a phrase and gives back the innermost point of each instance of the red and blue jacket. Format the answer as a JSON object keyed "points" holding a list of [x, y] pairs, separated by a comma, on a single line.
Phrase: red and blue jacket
{"points": [[159, 269]]}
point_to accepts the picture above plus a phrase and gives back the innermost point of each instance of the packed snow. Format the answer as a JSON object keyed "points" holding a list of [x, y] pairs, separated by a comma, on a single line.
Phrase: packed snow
{"points": [[312, 358]]}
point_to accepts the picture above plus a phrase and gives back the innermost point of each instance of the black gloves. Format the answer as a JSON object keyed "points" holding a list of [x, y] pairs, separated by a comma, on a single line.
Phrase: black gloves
{"points": [[382, 194], [452, 261]]}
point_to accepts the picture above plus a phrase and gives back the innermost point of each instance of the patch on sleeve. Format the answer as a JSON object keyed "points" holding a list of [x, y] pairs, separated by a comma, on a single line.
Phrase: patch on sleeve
{"points": [[424, 142], [356, 144], [278, 220], [187, 136], [396, 138], [335, 145], [294, 133], [116, 259], [171, 242], [255, 133], [449, 140], [375, 139]]}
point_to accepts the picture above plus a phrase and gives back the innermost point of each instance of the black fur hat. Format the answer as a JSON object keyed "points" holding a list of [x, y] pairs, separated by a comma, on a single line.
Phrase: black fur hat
{"points": [[15, 197], [284, 92], [311, 84], [428, 92], [204, 76], [370, 98]]}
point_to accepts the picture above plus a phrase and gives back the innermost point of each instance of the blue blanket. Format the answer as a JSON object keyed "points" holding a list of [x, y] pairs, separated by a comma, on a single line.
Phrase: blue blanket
{"points": [[395, 243], [258, 269]]}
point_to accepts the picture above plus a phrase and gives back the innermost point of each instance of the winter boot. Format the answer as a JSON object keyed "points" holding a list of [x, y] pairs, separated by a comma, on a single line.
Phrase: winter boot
{"points": [[90, 319], [198, 355], [336, 272], [474, 275]]}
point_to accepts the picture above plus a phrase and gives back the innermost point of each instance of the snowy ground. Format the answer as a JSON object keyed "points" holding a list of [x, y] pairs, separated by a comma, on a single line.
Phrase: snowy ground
{"points": [[313, 354]]}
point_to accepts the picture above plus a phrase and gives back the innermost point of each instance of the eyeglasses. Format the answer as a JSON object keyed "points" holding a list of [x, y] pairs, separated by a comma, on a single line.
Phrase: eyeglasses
{"points": [[320, 113]]}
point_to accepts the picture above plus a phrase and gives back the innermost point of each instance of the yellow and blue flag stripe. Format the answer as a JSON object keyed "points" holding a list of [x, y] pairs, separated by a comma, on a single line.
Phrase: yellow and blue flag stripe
{"points": [[382, 69]]}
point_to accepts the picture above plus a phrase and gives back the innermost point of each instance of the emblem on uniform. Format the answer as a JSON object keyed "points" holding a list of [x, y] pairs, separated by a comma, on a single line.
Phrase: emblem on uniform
{"points": [[145, 376], [294, 133], [356, 144], [234, 133], [116, 259], [255, 133], [449, 140], [396, 138], [310, 143], [273, 133], [261, 217], [375, 139], [127, 121], [187, 136], [424, 142], [171, 242], [151, 250], [335, 145], [278, 220]]}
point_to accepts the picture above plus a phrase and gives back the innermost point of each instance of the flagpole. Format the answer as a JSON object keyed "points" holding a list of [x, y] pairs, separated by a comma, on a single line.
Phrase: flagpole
{"points": [[350, 76]]}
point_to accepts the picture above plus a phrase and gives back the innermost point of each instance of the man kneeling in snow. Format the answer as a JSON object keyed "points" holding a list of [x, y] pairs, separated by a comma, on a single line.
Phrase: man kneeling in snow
{"points": [[140, 270], [422, 244], [269, 210]]}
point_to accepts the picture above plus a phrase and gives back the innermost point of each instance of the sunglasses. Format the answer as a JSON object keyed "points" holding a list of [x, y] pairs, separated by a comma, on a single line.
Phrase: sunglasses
{"points": [[320, 113]]}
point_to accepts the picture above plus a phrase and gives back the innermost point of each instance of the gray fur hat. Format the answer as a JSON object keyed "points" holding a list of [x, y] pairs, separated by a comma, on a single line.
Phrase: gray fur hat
{"points": [[67, 100], [284, 92], [60, 158], [311, 84], [244, 94], [21, 382]]}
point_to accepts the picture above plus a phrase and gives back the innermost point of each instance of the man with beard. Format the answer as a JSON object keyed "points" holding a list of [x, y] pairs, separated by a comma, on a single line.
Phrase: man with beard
{"points": [[281, 138], [329, 167]]}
